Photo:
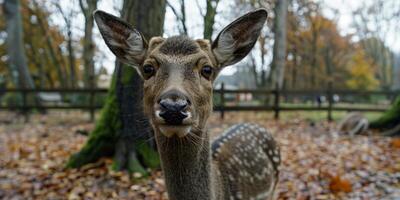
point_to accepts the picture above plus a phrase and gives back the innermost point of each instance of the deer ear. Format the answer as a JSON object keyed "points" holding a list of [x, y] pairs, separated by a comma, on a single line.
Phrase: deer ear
{"points": [[124, 41], [236, 40]]}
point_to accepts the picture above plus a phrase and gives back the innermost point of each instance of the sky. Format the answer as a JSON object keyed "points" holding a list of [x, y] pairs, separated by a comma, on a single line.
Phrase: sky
{"points": [[194, 22]]}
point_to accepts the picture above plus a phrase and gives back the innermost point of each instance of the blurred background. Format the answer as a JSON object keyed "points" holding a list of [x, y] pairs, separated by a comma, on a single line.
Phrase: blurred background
{"points": [[350, 45], [70, 112]]}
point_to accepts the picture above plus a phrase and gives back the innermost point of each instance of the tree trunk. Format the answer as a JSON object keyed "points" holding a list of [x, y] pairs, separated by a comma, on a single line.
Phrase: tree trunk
{"points": [[88, 7], [71, 60], [279, 52], [314, 50], [15, 47], [209, 18], [123, 130], [294, 70], [390, 120]]}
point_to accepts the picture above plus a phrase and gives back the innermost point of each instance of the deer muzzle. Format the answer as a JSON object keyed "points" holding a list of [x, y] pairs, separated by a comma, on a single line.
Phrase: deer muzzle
{"points": [[173, 115]]}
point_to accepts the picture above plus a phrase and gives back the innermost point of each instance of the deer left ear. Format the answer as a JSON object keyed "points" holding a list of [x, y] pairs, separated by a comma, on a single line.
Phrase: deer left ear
{"points": [[236, 40]]}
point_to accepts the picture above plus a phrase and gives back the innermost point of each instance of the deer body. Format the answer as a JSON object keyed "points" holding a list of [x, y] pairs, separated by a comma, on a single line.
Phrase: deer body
{"points": [[247, 159], [242, 164], [353, 124], [178, 74]]}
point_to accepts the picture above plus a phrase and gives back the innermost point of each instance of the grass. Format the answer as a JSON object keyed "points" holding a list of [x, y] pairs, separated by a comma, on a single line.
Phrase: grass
{"points": [[314, 116], [323, 115]]}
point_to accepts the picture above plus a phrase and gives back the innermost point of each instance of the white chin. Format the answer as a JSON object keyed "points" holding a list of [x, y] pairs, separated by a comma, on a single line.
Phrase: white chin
{"points": [[180, 131]]}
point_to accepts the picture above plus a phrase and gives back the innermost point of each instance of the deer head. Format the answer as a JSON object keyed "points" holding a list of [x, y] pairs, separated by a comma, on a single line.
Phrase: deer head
{"points": [[178, 72]]}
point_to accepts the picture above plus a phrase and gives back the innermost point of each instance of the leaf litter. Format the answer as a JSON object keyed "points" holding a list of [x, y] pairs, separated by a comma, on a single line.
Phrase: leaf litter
{"points": [[317, 162]]}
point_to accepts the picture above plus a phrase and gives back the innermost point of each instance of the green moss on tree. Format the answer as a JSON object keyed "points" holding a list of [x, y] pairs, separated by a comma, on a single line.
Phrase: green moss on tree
{"points": [[122, 130], [150, 157], [389, 119], [102, 139]]}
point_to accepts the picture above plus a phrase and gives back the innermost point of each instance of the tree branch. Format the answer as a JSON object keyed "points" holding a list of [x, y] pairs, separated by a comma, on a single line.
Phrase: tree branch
{"points": [[199, 7], [181, 17], [84, 10]]}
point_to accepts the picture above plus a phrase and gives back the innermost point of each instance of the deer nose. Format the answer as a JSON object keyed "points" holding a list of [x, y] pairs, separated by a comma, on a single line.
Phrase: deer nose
{"points": [[173, 109], [173, 106]]}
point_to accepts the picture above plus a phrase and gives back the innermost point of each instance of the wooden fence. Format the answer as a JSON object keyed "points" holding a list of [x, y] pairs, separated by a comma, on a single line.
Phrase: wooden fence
{"points": [[276, 95]]}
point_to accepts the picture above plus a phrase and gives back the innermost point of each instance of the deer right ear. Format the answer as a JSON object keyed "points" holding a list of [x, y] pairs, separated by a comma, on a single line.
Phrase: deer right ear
{"points": [[124, 41], [236, 40]]}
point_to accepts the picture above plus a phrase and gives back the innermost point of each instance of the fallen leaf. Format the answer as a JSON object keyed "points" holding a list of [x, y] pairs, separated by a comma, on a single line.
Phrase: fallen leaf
{"points": [[395, 143], [337, 184]]}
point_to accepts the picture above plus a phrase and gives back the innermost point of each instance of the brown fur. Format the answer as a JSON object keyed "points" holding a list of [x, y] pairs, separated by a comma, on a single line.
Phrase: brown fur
{"points": [[243, 162]]}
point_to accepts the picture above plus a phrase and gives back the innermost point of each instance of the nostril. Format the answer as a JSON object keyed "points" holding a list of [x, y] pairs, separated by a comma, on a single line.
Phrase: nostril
{"points": [[173, 112], [173, 106], [164, 104], [183, 104]]}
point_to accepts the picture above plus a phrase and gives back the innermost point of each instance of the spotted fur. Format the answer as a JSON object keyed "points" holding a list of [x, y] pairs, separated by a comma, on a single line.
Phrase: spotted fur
{"points": [[248, 159]]}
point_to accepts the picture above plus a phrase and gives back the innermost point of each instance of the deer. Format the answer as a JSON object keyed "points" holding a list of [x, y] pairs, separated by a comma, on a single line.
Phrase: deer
{"points": [[353, 124], [178, 74]]}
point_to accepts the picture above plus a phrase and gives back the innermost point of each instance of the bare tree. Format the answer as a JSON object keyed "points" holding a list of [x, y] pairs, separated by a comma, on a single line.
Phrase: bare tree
{"points": [[180, 16], [374, 22], [88, 7], [56, 61], [34, 53], [68, 17]]}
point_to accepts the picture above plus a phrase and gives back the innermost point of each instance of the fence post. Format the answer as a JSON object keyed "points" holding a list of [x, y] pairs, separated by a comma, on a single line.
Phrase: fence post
{"points": [[330, 101], [222, 95], [92, 109], [276, 101], [24, 105]]}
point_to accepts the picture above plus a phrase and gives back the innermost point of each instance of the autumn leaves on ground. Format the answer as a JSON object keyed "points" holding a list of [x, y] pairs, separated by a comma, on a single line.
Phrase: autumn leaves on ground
{"points": [[317, 164]]}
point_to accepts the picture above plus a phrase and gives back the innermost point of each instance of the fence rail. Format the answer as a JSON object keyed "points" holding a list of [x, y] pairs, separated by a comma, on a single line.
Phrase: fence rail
{"points": [[222, 107]]}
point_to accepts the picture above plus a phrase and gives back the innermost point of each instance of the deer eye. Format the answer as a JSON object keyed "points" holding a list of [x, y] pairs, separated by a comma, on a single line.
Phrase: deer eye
{"points": [[148, 71], [207, 71]]}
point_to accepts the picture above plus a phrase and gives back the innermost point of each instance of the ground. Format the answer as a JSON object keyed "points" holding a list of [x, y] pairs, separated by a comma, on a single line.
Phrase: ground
{"points": [[317, 163]]}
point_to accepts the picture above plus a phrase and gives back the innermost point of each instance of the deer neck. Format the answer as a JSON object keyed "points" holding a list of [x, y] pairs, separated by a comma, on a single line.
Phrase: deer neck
{"points": [[186, 166]]}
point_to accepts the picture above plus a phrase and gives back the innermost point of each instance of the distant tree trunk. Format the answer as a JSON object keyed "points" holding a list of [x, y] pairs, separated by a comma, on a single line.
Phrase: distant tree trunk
{"points": [[15, 45], [263, 51], [390, 120], [314, 49], [123, 130], [71, 54], [71, 60], [294, 70], [183, 11], [88, 7], [279, 52], [63, 66], [209, 18]]}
